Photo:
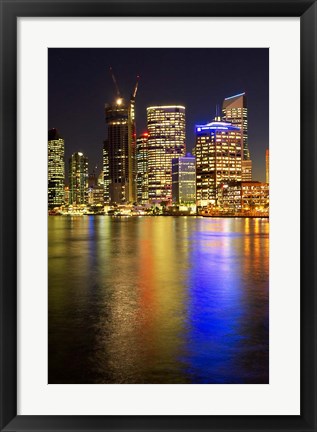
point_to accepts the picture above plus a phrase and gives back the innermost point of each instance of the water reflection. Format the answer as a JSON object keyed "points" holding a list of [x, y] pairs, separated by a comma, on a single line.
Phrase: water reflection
{"points": [[158, 300]]}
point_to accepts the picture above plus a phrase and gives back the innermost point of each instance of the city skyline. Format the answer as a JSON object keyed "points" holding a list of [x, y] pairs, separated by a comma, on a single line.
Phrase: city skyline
{"points": [[77, 95], [158, 261]]}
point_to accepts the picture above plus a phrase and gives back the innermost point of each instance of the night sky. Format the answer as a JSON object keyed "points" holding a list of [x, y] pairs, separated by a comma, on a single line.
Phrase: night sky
{"points": [[79, 85]]}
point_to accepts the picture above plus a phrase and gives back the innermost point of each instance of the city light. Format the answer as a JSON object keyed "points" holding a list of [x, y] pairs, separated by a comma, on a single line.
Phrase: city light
{"points": [[149, 170], [158, 230]]}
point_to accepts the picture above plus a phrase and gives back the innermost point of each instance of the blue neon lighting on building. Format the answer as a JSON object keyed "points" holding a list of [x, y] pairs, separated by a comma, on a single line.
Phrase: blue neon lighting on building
{"points": [[217, 126], [231, 97]]}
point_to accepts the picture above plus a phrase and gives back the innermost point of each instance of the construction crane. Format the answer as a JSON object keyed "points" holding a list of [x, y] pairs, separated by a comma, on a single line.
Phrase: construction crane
{"points": [[136, 87], [115, 82]]}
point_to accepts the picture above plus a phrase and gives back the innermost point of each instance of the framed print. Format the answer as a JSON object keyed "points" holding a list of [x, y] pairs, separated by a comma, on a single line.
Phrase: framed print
{"points": [[157, 258]]}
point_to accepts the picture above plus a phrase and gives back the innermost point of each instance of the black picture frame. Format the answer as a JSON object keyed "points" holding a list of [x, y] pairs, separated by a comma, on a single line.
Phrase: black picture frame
{"points": [[10, 11]]}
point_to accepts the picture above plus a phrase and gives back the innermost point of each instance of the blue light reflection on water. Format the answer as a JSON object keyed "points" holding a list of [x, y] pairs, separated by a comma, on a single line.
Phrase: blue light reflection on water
{"points": [[158, 300], [216, 305]]}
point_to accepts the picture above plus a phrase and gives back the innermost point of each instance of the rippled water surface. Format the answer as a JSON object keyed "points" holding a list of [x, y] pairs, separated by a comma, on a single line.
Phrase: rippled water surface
{"points": [[158, 300]]}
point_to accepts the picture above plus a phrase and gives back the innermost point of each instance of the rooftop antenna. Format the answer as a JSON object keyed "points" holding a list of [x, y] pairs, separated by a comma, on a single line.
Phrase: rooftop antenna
{"points": [[217, 118]]}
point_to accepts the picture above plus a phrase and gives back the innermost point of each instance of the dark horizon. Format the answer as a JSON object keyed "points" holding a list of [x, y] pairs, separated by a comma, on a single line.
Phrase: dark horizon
{"points": [[80, 84]]}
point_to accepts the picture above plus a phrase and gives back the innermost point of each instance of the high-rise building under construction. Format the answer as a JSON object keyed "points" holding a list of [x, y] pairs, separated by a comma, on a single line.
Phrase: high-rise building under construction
{"points": [[119, 152]]}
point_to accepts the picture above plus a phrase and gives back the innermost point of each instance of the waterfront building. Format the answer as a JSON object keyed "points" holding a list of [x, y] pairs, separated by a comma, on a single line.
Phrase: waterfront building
{"points": [[243, 196], [235, 111], [218, 159], [56, 169], [230, 196], [95, 195], [184, 180], [166, 140], [255, 195], [142, 169], [78, 179], [119, 151], [106, 172], [267, 166]]}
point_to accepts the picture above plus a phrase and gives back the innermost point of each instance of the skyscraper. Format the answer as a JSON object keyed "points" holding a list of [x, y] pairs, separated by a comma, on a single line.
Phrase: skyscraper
{"points": [[78, 179], [119, 152], [142, 169], [184, 180], [56, 169], [218, 158], [106, 172], [166, 140], [235, 111]]}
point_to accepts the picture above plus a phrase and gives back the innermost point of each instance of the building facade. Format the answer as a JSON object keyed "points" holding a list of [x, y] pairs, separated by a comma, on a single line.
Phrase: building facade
{"points": [[119, 153], [106, 172], [245, 197], [166, 140], [230, 196], [56, 169], [95, 195], [255, 196], [267, 166], [218, 158], [142, 169], [184, 180], [78, 179], [246, 166], [235, 111]]}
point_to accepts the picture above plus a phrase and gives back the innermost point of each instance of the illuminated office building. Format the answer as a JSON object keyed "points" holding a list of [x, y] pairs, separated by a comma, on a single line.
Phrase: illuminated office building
{"points": [[56, 169], [230, 196], [119, 153], [267, 166], [106, 172], [218, 158], [235, 111], [95, 195], [255, 195], [237, 196], [142, 169], [78, 179], [184, 180], [166, 140]]}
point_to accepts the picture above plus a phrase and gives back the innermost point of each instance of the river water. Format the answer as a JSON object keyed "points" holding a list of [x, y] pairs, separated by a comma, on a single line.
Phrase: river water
{"points": [[158, 300]]}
